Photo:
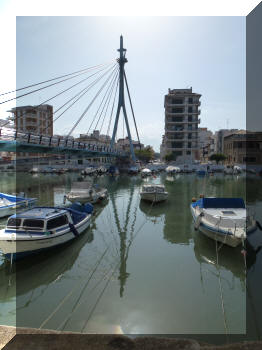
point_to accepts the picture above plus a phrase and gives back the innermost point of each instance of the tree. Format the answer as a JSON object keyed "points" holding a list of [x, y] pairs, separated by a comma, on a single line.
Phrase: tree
{"points": [[145, 154], [218, 157], [169, 157]]}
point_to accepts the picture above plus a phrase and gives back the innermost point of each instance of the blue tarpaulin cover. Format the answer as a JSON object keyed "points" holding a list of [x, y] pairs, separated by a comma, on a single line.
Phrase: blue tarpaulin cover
{"points": [[236, 203]]}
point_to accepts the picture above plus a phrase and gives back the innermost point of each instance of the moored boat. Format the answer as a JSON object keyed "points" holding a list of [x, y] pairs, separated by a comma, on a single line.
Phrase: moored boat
{"points": [[223, 219], [42, 228], [153, 193], [146, 172], [9, 204], [89, 171], [86, 192]]}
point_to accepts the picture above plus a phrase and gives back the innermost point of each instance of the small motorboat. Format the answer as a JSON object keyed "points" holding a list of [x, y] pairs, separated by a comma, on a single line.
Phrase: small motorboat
{"points": [[133, 170], [43, 228], [89, 171], [172, 169], [86, 192], [201, 172], [113, 170], [9, 204], [153, 193], [146, 172], [223, 219]]}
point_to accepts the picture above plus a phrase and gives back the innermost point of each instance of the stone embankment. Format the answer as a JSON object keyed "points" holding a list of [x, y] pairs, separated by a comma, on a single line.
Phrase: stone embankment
{"points": [[32, 339]]}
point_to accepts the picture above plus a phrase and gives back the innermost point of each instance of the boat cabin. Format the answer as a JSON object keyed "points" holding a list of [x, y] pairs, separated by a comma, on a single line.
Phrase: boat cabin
{"points": [[43, 219], [153, 188]]}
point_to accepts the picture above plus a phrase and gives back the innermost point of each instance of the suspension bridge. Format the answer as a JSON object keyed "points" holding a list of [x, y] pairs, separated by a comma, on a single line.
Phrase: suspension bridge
{"points": [[104, 82]]}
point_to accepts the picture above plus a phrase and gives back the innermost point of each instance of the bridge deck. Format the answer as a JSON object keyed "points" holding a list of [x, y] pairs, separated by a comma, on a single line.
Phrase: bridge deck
{"points": [[12, 141]]}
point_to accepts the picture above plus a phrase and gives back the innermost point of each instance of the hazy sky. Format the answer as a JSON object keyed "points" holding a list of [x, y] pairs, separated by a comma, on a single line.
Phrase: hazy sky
{"points": [[207, 53]]}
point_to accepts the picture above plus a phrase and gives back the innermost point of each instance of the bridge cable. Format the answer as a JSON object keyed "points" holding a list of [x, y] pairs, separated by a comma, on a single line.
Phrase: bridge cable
{"points": [[47, 81], [31, 92], [85, 111], [60, 93], [109, 95], [109, 100], [132, 109], [109, 125], [100, 105], [86, 89]]}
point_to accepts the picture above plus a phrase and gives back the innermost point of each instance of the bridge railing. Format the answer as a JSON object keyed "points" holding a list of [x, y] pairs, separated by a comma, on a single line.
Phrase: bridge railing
{"points": [[55, 141]]}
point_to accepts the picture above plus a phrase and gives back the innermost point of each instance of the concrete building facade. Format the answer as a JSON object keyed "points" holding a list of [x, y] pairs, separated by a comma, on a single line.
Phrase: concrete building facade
{"points": [[219, 138], [243, 148], [181, 124], [206, 143], [34, 119]]}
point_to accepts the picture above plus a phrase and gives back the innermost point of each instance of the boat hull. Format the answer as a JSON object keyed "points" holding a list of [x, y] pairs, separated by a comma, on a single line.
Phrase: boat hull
{"points": [[153, 197], [216, 234], [19, 248], [16, 207], [83, 198]]}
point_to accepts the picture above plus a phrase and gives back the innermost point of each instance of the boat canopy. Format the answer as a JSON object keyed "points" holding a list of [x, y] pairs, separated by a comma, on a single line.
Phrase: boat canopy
{"points": [[11, 198], [236, 203]]}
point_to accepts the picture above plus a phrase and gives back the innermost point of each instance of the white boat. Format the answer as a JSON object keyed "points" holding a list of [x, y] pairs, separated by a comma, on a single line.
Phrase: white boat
{"points": [[172, 169], [9, 204], [89, 171], [86, 192], [223, 219], [154, 193], [232, 170], [43, 228], [146, 172]]}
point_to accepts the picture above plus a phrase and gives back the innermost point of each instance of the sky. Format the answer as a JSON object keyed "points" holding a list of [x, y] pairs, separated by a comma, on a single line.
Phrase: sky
{"points": [[206, 53]]}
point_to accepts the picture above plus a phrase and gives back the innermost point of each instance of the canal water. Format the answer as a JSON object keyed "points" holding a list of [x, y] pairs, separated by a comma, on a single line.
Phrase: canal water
{"points": [[138, 269]]}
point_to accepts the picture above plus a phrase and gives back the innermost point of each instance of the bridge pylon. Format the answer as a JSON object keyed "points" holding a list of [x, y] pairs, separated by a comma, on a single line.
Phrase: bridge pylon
{"points": [[121, 100]]}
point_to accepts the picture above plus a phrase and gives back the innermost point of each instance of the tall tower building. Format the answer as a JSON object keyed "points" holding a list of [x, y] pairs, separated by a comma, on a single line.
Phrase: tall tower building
{"points": [[181, 124]]}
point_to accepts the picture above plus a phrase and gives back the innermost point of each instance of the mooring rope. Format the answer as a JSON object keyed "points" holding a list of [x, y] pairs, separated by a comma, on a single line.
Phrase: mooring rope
{"points": [[73, 290]]}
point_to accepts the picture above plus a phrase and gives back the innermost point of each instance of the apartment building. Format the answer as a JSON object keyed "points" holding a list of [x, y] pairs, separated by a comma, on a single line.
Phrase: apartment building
{"points": [[219, 138], [181, 125], [206, 143], [34, 119], [244, 147]]}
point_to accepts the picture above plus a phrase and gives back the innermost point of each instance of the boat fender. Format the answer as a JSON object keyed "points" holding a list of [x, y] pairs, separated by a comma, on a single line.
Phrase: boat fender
{"points": [[89, 208], [259, 225], [73, 229], [198, 221]]}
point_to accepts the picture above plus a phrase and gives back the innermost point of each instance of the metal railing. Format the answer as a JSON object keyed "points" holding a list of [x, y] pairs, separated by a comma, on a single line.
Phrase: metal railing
{"points": [[55, 141]]}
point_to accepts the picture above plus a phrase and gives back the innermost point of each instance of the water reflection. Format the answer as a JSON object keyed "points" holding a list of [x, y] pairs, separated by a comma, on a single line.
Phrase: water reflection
{"points": [[151, 248], [229, 259]]}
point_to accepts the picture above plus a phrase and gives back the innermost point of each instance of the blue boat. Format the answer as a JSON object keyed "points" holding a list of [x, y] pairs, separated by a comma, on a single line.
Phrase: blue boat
{"points": [[42, 228], [10, 204]]}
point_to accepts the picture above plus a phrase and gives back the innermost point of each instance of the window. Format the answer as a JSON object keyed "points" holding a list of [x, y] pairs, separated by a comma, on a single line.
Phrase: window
{"points": [[190, 100], [190, 118], [177, 101], [188, 153], [57, 222], [177, 119], [33, 223], [189, 136], [14, 222], [190, 110], [177, 110], [189, 145], [177, 144]]}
